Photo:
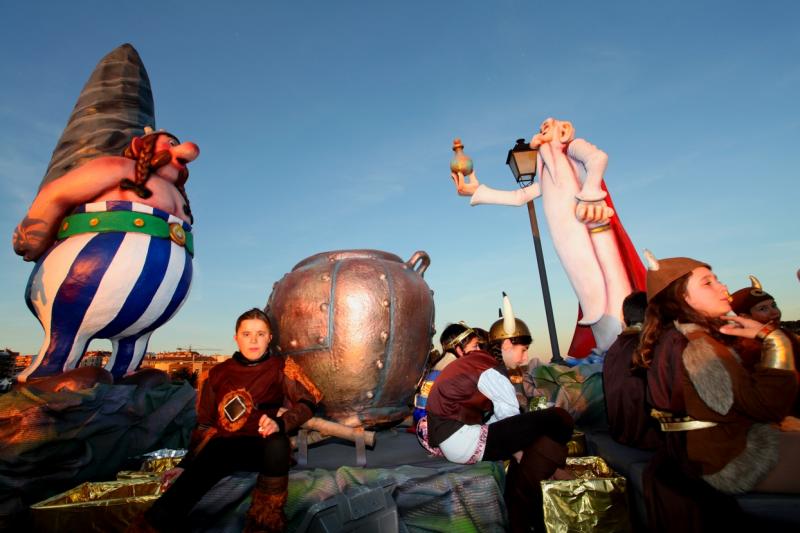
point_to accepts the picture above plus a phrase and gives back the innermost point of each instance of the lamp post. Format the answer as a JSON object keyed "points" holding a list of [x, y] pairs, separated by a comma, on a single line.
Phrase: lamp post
{"points": [[522, 160]]}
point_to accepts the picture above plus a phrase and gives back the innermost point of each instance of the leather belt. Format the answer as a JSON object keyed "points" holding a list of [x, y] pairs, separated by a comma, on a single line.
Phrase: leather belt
{"points": [[668, 422], [126, 222]]}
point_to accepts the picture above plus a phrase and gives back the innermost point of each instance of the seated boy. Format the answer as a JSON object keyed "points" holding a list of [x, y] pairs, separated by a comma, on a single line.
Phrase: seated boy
{"points": [[248, 405], [474, 415]]}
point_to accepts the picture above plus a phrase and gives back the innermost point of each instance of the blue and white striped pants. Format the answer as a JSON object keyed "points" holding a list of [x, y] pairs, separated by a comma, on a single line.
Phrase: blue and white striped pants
{"points": [[118, 286]]}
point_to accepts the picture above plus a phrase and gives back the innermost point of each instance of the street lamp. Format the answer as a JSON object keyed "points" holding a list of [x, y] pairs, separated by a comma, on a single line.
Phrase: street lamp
{"points": [[522, 160]]}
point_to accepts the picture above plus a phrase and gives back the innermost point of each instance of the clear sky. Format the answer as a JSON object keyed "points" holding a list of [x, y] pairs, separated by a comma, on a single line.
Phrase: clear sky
{"points": [[328, 125]]}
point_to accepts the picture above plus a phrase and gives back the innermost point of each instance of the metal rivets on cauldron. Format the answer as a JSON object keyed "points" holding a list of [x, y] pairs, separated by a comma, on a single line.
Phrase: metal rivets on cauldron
{"points": [[323, 307], [385, 303], [384, 336], [293, 343], [325, 277], [331, 258], [379, 364], [320, 340], [370, 394], [382, 277]]}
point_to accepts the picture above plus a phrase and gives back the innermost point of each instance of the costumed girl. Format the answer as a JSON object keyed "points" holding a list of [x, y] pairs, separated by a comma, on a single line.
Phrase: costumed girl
{"points": [[719, 418], [473, 415], [247, 407], [756, 303]]}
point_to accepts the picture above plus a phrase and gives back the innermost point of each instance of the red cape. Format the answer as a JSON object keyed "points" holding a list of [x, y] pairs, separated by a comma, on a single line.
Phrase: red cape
{"points": [[583, 339]]}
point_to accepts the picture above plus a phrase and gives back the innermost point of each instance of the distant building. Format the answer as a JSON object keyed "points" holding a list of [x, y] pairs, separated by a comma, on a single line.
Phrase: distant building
{"points": [[98, 358], [170, 362], [22, 362]]}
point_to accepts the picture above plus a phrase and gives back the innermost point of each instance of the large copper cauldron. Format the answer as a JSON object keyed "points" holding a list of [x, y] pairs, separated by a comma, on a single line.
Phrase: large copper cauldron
{"points": [[360, 324]]}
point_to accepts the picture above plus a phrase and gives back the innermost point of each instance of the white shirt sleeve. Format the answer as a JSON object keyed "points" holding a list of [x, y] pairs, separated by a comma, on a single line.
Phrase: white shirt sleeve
{"points": [[500, 391], [486, 195]]}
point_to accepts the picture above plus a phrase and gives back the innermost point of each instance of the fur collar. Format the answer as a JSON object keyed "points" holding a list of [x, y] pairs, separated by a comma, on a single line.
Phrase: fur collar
{"points": [[702, 359]]}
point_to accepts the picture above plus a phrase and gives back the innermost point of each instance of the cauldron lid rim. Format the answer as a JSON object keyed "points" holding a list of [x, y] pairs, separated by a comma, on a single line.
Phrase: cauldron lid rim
{"points": [[338, 255]]}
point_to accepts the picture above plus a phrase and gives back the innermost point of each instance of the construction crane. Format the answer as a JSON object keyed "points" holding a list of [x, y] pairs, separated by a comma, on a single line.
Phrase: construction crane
{"points": [[191, 348]]}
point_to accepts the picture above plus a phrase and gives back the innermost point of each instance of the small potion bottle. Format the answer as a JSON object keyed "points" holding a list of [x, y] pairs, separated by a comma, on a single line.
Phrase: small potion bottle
{"points": [[461, 162]]}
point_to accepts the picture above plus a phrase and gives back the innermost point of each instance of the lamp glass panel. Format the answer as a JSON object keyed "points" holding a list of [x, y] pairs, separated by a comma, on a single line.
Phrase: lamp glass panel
{"points": [[514, 169], [526, 162]]}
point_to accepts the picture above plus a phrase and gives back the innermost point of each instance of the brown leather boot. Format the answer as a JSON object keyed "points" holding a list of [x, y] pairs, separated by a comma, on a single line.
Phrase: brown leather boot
{"points": [[523, 490], [266, 509]]}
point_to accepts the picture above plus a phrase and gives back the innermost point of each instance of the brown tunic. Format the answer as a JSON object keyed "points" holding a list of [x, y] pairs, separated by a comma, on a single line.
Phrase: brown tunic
{"points": [[625, 393], [250, 391], [694, 374]]}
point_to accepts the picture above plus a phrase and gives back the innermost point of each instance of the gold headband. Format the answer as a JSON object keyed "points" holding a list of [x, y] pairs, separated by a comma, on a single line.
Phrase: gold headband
{"points": [[458, 338]]}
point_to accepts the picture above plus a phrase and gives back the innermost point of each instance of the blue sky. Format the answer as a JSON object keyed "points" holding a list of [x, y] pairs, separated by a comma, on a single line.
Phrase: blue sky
{"points": [[328, 125]]}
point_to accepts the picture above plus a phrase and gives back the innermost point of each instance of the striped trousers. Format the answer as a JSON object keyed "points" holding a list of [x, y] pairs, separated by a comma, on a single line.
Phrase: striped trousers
{"points": [[117, 285]]}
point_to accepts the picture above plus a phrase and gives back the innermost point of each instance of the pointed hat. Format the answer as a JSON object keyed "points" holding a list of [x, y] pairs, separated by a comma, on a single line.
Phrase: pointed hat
{"points": [[114, 106], [745, 299], [508, 327], [662, 272]]}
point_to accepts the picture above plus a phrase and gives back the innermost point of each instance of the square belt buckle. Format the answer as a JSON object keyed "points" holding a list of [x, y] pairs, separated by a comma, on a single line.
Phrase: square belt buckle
{"points": [[235, 409]]}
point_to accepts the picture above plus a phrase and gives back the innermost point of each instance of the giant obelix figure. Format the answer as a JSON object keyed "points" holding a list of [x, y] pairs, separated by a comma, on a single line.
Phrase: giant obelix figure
{"points": [[110, 234]]}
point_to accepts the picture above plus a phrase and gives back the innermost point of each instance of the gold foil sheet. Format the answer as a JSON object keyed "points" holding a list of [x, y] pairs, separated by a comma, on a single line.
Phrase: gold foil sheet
{"points": [[137, 474], [576, 447], [595, 501], [162, 460], [98, 506]]}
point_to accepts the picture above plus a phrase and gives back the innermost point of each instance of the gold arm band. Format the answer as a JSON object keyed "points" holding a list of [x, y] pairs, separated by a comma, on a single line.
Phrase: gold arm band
{"points": [[600, 229], [776, 351], [672, 423], [766, 330]]}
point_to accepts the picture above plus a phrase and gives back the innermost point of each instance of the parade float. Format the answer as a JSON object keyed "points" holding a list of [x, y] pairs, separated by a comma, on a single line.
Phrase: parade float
{"points": [[110, 236]]}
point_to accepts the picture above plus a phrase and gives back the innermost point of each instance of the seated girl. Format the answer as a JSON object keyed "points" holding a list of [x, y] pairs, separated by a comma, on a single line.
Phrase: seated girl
{"points": [[719, 419]]}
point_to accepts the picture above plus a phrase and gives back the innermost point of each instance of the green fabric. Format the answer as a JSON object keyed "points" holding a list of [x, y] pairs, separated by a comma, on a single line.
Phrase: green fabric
{"points": [[119, 221], [578, 390], [451, 499]]}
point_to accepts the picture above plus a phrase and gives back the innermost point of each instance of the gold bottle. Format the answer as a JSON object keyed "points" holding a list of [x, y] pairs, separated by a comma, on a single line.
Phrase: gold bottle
{"points": [[461, 162]]}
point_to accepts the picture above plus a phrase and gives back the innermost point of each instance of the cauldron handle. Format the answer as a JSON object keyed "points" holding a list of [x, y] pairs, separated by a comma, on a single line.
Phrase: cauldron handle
{"points": [[423, 259]]}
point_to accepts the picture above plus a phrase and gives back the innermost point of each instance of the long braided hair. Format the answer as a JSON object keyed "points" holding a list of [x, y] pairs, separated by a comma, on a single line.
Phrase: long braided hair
{"points": [[142, 150]]}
